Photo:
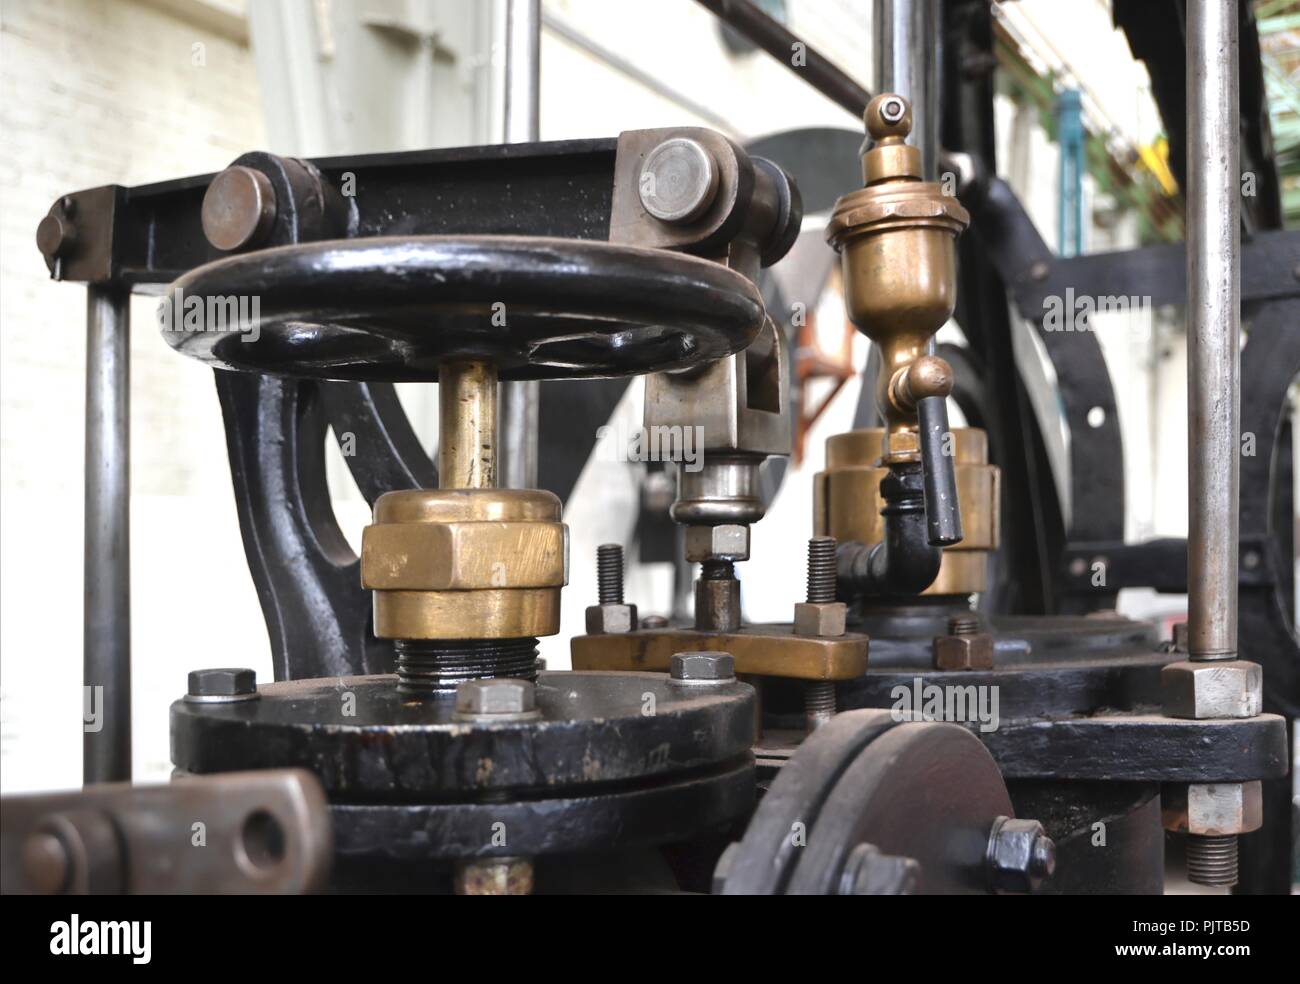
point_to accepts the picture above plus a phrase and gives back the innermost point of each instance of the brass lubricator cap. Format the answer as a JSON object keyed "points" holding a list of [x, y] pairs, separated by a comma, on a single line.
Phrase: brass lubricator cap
{"points": [[466, 564], [897, 242], [846, 502]]}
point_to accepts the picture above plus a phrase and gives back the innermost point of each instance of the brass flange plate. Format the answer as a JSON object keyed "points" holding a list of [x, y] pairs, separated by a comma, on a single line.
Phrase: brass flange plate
{"points": [[758, 650]]}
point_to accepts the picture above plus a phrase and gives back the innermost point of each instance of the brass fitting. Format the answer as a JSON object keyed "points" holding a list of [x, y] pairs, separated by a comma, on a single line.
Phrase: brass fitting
{"points": [[846, 502], [896, 238], [466, 561], [465, 564]]}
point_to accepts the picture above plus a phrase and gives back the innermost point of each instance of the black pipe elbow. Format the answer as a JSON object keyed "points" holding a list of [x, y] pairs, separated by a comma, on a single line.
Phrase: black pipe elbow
{"points": [[904, 562]]}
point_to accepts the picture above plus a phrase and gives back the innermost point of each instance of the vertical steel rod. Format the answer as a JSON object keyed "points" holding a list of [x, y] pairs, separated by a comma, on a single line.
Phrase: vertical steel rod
{"points": [[906, 35], [520, 400], [1213, 328], [106, 643]]}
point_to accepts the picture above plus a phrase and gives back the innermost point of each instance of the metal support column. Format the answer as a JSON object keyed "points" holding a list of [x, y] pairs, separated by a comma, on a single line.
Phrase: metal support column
{"points": [[520, 400], [106, 741], [1213, 328]]}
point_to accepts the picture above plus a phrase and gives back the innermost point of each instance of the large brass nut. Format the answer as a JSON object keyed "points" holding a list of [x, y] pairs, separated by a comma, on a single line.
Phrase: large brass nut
{"points": [[466, 564], [963, 652], [1212, 689], [1213, 809], [463, 556], [820, 619]]}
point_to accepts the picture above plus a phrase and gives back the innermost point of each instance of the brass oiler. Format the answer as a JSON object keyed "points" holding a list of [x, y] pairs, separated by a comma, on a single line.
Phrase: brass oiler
{"points": [[897, 241]]}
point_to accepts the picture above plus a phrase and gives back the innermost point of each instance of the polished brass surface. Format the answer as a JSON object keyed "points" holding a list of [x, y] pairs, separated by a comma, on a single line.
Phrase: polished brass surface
{"points": [[467, 425], [846, 501], [758, 650], [896, 238], [465, 564]]}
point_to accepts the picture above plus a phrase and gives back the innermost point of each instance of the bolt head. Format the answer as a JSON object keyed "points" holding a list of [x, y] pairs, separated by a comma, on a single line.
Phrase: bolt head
{"points": [[1021, 857], [888, 115], [703, 667], [678, 181], [726, 542], [963, 652], [238, 208], [608, 619], [820, 618], [1212, 689], [1213, 809], [868, 872], [224, 682], [55, 236], [490, 698]]}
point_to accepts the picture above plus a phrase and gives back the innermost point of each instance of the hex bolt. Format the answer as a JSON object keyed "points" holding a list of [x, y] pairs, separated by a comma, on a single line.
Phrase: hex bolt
{"points": [[819, 695], [892, 110], [1020, 856], [238, 208], [609, 573], [502, 699], [678, 181], [224, 685], [868, 872], [706, 668]]}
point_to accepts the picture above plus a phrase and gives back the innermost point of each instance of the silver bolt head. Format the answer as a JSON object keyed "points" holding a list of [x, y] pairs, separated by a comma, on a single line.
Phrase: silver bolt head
{"points": [[611, 618], [1213, 809], [493, 698], [1201, 690], [1021, 857], [678, 181], [892, 110], [704, 667], [222, 682], [729, 541]]}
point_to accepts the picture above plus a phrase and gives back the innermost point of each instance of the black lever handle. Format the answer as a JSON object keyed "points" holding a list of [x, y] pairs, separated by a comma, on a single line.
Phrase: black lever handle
{"points": [[942, 511]]}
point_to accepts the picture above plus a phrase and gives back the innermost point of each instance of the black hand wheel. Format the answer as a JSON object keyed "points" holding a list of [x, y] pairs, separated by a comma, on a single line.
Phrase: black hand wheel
{"points": [[392, 308]]}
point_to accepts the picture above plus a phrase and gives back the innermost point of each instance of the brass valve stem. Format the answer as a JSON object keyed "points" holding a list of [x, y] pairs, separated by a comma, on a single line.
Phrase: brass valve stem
{"points": [[467, 425]]}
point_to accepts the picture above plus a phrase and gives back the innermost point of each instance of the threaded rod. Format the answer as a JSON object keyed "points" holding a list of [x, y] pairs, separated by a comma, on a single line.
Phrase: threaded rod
{"points": [[821, 569], [609, 573], [1212, 859]]}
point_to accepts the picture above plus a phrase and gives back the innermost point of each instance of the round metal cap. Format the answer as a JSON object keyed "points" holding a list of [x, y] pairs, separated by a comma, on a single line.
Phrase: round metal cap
{"points": [[679, 180]]}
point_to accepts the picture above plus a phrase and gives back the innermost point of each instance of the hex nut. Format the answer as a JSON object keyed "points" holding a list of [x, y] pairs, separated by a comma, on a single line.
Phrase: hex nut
{"points": [[1210, 689], [228, 683], [703, 667], [822, 619], [464, 556], [611, 618], [1213, 809], [963, 652], [726, 542], [1021, 857], [868, 872], [499, 699]]}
